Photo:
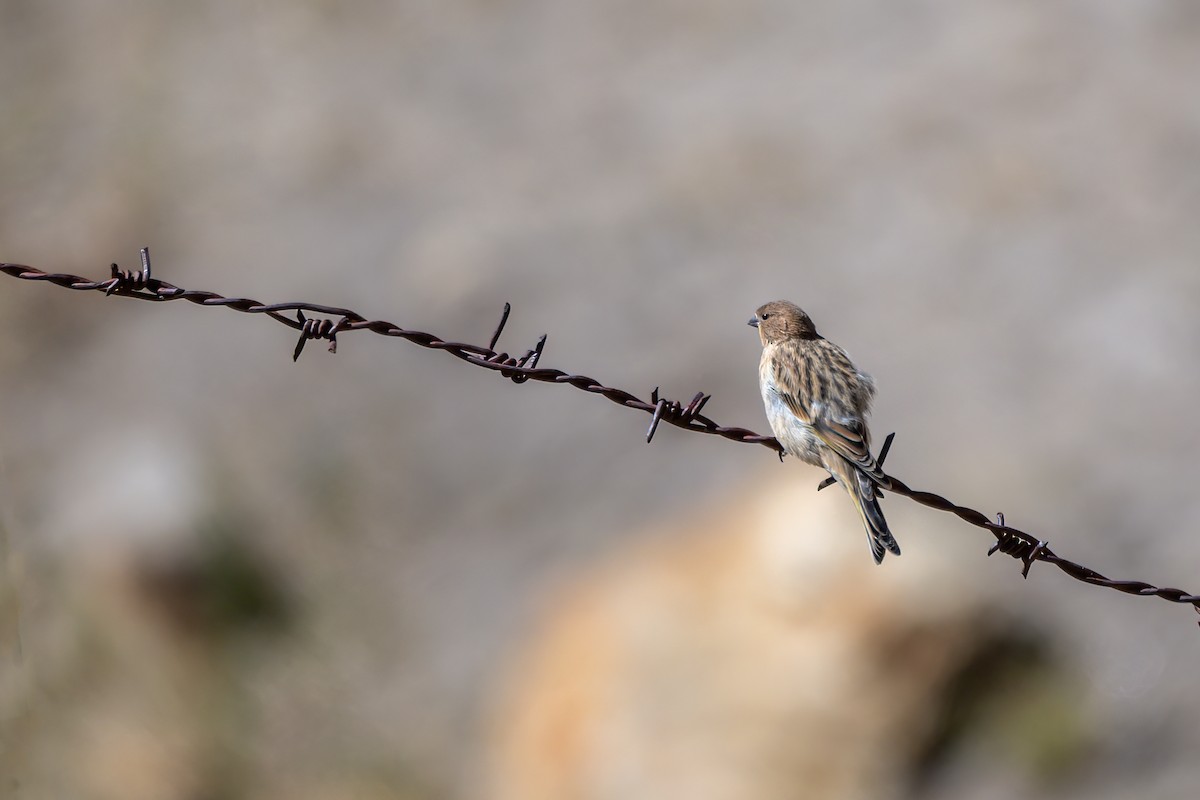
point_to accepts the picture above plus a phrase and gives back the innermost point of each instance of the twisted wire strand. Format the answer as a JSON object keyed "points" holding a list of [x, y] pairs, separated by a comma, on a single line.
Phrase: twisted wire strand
{"points": [[142, 286]]}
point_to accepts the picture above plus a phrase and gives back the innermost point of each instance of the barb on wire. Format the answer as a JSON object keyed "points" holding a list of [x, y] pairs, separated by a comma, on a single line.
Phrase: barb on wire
{"points": [[883, 452], [142, 286], [122, 279], [673, 411], [316, 329]]}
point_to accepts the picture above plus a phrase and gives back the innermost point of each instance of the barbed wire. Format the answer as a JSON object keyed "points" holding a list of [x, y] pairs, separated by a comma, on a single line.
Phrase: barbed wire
{"points": [[140, 285]]}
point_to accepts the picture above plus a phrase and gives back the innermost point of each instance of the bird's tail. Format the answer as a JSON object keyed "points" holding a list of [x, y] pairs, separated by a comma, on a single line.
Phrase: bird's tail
{"points": [[863, 493]]}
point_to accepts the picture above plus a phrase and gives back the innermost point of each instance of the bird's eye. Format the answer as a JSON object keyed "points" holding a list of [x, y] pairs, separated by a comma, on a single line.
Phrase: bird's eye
{"points": [[766, 314]]}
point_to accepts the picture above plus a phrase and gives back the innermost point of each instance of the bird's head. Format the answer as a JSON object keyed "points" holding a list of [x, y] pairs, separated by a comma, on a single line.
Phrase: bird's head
{"points": [[780, 320]]}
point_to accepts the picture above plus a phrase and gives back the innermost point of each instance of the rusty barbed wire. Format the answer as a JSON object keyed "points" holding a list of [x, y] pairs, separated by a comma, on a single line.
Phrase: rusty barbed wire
{"points": [[141, 286], [1010, 541]]}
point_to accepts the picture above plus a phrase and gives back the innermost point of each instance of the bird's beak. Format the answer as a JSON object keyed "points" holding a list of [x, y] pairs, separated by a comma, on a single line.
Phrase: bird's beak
{"points": [[753, 323]]}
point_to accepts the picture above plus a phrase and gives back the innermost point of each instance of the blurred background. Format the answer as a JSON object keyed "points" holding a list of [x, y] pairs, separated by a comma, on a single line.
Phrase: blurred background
{"points": [[383, 574]]}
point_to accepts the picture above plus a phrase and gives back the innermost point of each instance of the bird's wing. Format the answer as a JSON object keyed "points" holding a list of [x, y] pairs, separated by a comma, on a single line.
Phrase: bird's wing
{"points": [[808, 381], [847, 438]]}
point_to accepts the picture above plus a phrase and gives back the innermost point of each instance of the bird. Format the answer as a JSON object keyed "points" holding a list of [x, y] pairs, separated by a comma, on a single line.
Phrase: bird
{"points": [[817, 401]]}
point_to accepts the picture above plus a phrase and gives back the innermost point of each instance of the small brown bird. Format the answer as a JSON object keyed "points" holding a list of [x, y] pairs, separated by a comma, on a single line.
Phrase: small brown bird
{"points": [[817, 402]]}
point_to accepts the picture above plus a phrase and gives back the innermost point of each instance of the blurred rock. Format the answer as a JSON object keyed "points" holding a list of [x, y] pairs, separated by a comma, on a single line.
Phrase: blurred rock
{"points": [[754, 651]]}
